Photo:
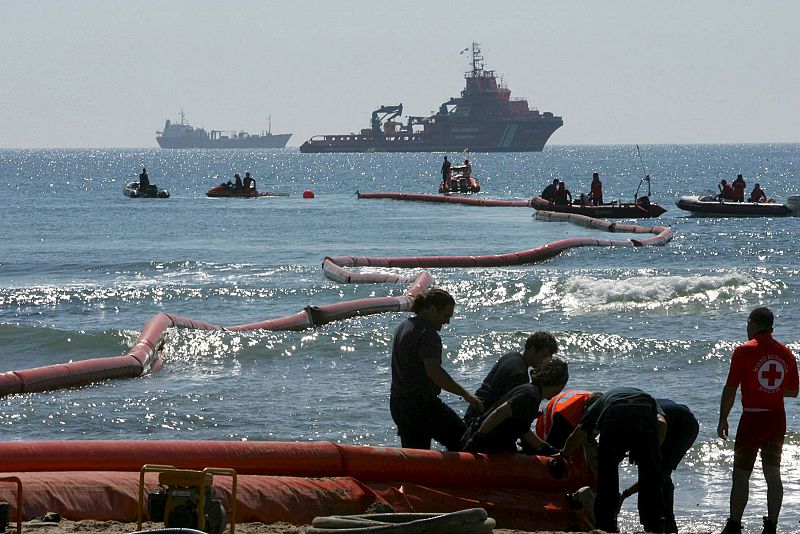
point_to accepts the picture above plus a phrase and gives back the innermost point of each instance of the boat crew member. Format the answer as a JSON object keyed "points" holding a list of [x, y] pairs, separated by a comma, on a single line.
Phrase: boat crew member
{"points": [[249, 182], [549, 192], [758, 194], [738, 188], [628, 421], [725, 191], [144, 181], [562, 414], [446, 172], [682, 430], [511, 370], [238, 182], [418, 377], [467, 169], [766, 370], [563, 196], [509, 420], [596, 193]]}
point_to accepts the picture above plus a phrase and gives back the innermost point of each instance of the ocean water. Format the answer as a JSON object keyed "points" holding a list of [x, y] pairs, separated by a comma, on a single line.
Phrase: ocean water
{"points": [[82, 268]]}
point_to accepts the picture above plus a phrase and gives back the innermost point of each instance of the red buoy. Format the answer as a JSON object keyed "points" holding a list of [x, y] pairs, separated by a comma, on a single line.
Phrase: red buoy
{"points": [[308, 193]]}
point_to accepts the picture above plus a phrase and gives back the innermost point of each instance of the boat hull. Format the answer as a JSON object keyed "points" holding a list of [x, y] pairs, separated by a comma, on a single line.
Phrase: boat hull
{"points": [[458, 186], [604, 211], [131, 190], [252, 142], [709, 207], [519, 136]]}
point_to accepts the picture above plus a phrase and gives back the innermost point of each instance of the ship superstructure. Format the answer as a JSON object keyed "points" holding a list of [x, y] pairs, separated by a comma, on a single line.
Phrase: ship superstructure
{"points": [[484, 118]]}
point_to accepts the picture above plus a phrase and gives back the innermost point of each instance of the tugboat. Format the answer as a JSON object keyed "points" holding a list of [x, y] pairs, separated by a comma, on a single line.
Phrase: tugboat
{"points": [[484, 118], [184, 135]]}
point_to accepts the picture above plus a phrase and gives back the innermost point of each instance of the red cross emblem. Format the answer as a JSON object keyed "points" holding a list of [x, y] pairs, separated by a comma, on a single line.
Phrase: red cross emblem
{"points": [[770, 374]]}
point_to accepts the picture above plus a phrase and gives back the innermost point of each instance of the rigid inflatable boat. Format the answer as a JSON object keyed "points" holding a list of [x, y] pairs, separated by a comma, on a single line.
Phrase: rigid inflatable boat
{"points": [[710, 206], [459, 184], [642, 208], [131, 189], [225, 190]]}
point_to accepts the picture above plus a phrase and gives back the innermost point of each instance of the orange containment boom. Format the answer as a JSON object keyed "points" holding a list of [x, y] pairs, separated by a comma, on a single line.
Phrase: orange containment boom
{"points": [[145, 355], [447, 199]]}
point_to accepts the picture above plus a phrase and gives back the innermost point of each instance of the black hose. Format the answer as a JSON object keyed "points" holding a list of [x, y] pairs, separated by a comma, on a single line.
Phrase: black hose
{"points": [[471, 521]]}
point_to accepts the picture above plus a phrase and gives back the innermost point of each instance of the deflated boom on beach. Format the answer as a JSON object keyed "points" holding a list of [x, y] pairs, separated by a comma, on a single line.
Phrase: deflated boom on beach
{"points": [[146, 354]]}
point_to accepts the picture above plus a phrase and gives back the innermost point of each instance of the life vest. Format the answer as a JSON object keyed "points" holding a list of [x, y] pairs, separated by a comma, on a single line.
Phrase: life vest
{"points": [[569, 404]]}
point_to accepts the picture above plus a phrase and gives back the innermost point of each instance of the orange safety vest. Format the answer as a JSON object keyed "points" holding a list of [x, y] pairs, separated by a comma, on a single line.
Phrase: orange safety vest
{"points": [[569, 404]]}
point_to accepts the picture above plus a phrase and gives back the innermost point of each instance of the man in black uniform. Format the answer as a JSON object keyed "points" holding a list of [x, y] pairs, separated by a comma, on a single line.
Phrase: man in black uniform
{"points": [[549, 192], [446, 172], [418, 377], [144, 182], [629, 421], [511, 370], [498, 429], [682, 430]]}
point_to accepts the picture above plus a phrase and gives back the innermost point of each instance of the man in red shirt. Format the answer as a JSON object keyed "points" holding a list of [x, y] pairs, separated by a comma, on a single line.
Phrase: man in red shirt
{"points": [[767, 372]]}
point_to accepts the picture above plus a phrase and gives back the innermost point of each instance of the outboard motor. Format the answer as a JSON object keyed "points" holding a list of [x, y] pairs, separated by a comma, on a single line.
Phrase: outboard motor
{"points": [[793, 203]]}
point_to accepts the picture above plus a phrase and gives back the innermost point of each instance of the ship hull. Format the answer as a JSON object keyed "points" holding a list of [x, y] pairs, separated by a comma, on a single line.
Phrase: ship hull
{"points": [[267, 141], [517, 136]]}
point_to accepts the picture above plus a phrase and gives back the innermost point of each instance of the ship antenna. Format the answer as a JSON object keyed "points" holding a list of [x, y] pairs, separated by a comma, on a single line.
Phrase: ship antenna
{"points": [[269, 124], [183, 116]]}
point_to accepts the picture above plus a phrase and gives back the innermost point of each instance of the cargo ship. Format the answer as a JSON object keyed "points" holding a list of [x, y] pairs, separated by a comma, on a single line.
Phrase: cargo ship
{"points": [[184, 135], [484, 119]]}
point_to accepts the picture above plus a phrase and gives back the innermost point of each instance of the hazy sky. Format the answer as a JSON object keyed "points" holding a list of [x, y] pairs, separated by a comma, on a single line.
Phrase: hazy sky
{"points": [[106, 73]]}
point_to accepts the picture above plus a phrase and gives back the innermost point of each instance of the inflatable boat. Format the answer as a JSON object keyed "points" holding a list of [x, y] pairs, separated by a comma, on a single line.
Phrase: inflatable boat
{"points": [[287, 481], [642, 208], [225, 190], [131, 189], [709, 205], [459, 184]]}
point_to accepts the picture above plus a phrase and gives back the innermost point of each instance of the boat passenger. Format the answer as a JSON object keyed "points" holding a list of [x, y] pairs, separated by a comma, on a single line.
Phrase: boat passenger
{"points": [[596, 194], [511, 370], [238, 182], [758, 194], [509, 420], [549, 192], [738, 188], [418, 377], [725, 191], [144, 181], [446, 172], [563, 196], [249, 182], [467, 169]]}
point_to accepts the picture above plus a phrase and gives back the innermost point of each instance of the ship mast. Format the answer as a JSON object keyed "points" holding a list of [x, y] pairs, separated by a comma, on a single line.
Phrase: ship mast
{"points": [[477, 59], [183, 116]]}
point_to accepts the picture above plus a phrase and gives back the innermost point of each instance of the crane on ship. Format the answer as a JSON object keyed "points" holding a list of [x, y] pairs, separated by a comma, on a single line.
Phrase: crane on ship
{"points": [[382, 114]]}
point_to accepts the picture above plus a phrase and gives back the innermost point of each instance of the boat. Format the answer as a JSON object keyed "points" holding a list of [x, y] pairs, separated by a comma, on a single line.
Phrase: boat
{"points": [[615, 210], [131, 190], [709, 204], [225, 190], [484, 118], [461, 181], [183, 135]]}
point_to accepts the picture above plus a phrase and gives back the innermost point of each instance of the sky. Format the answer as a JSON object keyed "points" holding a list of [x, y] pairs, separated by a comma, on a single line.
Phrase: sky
{"points": [[108, 73]]}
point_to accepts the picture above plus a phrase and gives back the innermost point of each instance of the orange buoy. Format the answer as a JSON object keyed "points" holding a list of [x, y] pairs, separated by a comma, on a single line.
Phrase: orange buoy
{"points": [[308, 193]]}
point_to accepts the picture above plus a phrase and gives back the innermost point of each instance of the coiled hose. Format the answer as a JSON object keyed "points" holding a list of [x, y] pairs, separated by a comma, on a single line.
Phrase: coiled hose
{"points": [[471, 521]]}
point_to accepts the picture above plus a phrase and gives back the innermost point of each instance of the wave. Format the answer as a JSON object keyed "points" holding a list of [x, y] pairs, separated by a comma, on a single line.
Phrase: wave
{"points": [[658, 294]]}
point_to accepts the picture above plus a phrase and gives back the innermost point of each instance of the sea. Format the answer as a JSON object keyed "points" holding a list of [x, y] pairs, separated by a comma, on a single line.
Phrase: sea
{"points": [[82, 269]]}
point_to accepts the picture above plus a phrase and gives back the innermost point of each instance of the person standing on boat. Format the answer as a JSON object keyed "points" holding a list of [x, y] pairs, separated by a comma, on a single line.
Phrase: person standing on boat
{"points": [[628, 420], [758, 194], [682, 430], [144, 181], [418, 377], [511, 370], [549, 192], [446, 172], [766, 370], [467, 169], [563, 196], [738, 187], [596, 193], [509, 420]]}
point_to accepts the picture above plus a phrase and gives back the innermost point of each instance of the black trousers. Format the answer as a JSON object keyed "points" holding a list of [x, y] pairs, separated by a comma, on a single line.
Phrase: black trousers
{"points": [[419, 420], [629, 428]]}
